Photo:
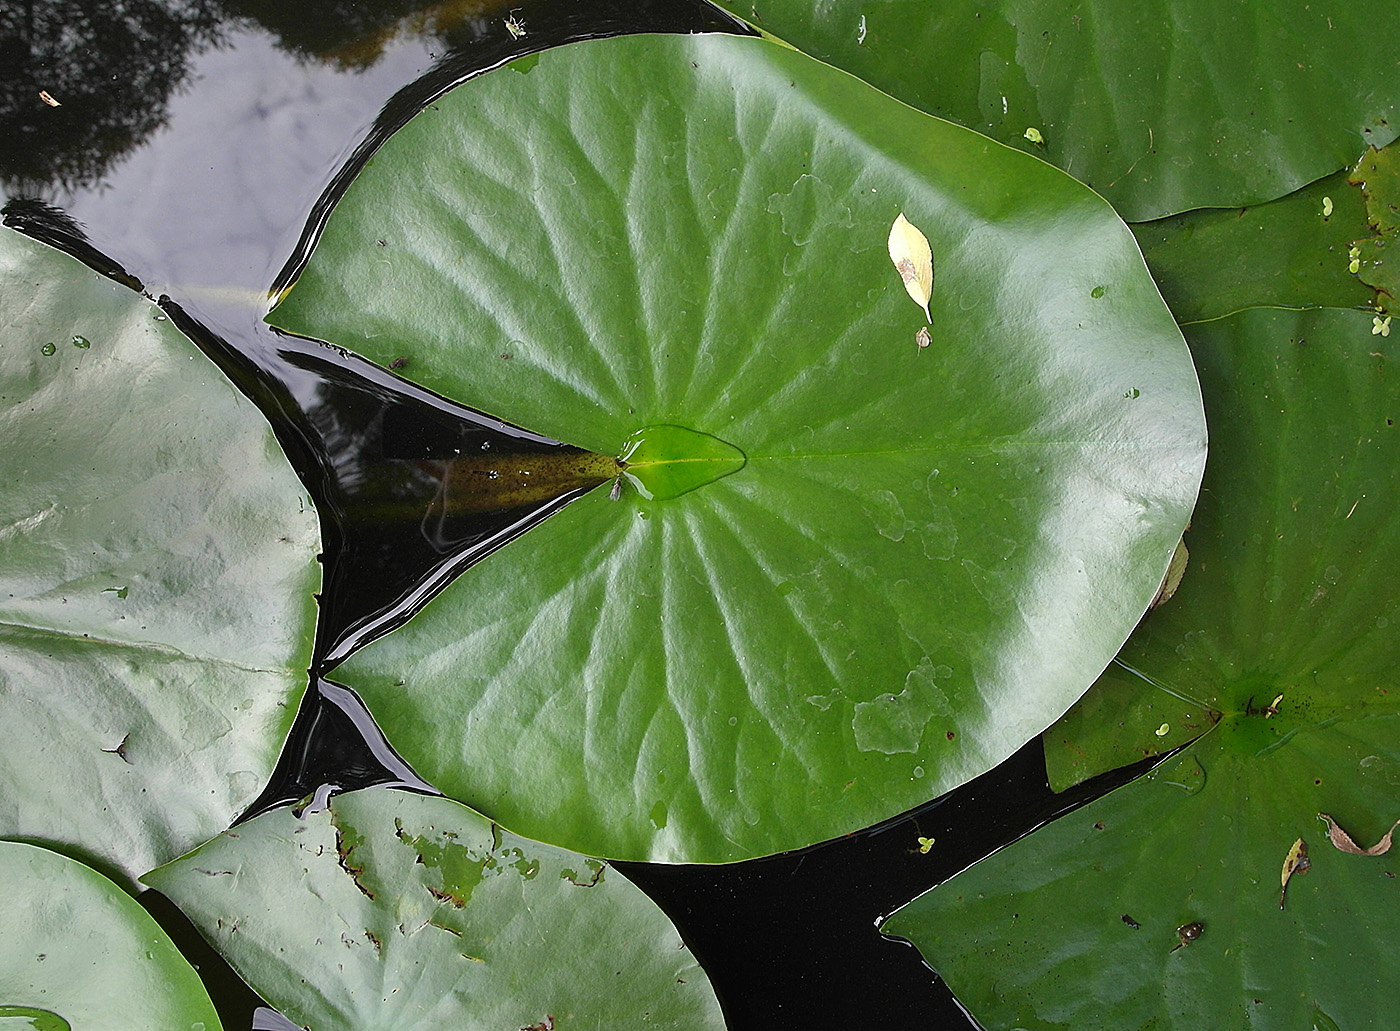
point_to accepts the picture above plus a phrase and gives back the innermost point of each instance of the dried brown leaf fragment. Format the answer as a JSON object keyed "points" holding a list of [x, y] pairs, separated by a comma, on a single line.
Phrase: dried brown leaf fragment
{"points": [[1343, 843]]}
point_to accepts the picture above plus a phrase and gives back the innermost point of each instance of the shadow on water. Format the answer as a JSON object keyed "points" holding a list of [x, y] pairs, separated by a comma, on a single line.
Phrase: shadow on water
{"points": [[789, 940]]}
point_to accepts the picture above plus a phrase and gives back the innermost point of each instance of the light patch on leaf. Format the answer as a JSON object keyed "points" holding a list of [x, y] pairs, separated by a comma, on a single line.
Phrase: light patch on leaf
{"points": [[890, 723], [1033, 134], [913, 258], [1296, 862], [1341, 840]]}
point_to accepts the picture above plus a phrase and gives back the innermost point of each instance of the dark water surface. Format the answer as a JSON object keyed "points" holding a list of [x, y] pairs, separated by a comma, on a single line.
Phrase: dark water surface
{"points": [[197, 150]]}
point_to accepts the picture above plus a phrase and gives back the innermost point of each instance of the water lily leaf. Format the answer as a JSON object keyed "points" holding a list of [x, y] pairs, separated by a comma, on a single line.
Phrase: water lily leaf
{"points": [[79, 954], [909, 250], [1283, 632], [1285, 253], [1376, 258], [396, 910], [1378, 174], [1161, 106], [871, 569], [157, 566]]}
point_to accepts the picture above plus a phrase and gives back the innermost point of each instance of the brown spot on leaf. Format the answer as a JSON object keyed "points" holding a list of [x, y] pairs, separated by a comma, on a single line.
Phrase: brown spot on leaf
{"points": [[444, 896]]}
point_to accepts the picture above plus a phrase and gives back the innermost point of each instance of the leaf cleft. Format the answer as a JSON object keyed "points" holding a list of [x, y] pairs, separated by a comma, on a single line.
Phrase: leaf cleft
{"points": [[665, 461]]}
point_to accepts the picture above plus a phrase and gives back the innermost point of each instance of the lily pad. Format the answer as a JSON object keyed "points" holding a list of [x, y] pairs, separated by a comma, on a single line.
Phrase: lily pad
{"points": [[397, 910], [1282, 633], [79, 954], [157, 570], [887, 565], [1377, 255], [1161, 106], [1294, 252]]}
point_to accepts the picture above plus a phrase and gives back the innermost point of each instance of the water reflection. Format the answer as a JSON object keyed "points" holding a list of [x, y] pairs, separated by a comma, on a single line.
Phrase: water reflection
{"points": [[109, 69]]}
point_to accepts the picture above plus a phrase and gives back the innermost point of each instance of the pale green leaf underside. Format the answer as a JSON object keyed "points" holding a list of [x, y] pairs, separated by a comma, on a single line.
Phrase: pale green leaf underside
{"points": [[76, 946], [392, 910], [157, 567]]}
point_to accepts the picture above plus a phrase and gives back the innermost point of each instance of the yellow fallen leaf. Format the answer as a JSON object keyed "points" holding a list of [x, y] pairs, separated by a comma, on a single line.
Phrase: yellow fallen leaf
{"points": [[913, 258], [1343, 843], [1296, 861]]}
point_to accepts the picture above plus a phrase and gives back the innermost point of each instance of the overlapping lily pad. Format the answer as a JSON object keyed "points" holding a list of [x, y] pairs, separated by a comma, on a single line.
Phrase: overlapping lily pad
{"points": [[157, 566], [1160, 106], [1294, 252], [411, 912], [926, 553], [1282, 634], [79, 954]]}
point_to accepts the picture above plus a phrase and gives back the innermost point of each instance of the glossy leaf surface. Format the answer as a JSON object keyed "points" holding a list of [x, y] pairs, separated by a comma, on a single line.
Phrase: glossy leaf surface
{"points": [[1284, 253], [927, 552], [79, 954], [1283, 629], [157, 566], [411, 912], [1160, 106]]}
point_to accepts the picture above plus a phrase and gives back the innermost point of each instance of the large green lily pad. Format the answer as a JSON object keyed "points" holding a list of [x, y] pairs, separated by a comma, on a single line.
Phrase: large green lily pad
{"points": [[1283, 630], [1161, 106], [392, 910], [157, 567], [850, 572], [79, 954]]}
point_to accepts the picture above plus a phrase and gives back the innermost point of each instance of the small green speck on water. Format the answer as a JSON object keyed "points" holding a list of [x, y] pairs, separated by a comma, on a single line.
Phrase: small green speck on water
{"points": [[47, 350], [81, 342], [1097, 292]]}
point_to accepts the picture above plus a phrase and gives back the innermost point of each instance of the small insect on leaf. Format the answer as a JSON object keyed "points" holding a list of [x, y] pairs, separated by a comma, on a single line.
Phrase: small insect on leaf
{"points": [[913, 258], [1341, 840], [1033, 134], [1296, 862], [922, 338], [515, 26]]}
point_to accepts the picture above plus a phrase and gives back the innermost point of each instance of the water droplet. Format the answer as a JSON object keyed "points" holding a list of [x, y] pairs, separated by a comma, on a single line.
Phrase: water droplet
{"points": [[81, 342], [918, 771], [733, 721], [47, 349]]}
